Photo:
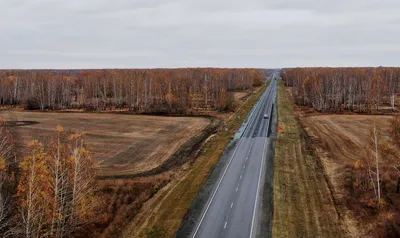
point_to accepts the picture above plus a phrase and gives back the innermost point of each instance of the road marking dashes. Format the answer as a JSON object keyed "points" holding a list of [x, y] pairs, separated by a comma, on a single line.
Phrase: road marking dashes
{"points": [[240, 177], [225, 224], [231, 205], [237, 188], [244, 166]]}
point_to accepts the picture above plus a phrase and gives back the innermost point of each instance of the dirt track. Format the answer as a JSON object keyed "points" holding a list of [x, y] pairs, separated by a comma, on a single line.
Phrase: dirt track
{"points": [[121, 144]]}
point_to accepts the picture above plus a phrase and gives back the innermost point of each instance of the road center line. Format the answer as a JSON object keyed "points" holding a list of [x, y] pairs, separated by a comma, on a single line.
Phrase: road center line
{"points": [[237, 188], [225, 224], [231, 205]]}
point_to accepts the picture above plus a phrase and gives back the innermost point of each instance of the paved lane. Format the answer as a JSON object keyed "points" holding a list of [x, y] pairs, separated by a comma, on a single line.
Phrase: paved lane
{"points": [[232, 209]]}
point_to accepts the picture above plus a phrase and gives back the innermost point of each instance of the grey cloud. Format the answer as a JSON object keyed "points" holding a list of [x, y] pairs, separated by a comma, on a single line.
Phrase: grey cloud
{"points": [[182, 33]]}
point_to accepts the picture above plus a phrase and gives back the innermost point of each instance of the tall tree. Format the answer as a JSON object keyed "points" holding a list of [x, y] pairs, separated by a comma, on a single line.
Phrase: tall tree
{"points": [[34, 191]]}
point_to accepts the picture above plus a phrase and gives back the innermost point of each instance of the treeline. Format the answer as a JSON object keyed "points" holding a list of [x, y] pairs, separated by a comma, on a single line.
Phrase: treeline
{"points": [[50, 191], [338, 89], [137, 90]]}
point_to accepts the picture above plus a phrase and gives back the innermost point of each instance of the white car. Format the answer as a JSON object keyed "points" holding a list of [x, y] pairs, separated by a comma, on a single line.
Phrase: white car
{"points": [[265, 116]]}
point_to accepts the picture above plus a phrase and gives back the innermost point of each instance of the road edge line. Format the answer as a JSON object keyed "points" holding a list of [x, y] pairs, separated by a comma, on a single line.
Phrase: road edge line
{"points": [[215, 191]]}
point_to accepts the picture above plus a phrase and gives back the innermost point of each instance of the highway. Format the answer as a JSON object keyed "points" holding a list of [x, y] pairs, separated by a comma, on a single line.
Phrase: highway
{"points": [[234, 204]]}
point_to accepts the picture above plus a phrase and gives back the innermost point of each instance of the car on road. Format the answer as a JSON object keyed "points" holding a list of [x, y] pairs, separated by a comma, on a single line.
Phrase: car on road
{"points": [[265, 116]]}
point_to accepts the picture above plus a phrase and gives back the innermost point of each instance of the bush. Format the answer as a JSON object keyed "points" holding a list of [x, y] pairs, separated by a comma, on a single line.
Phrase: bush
{"points": [[32, 104]]}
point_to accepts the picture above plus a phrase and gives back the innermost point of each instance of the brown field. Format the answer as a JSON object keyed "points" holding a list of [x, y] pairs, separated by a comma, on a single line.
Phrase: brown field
{"points": [[120, 144], [342, 140], [345, 136], [339, 141]]}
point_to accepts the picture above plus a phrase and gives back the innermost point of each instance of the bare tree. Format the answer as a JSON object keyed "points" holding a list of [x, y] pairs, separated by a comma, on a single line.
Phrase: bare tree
{"points": [[5, 207], [376, 136]]}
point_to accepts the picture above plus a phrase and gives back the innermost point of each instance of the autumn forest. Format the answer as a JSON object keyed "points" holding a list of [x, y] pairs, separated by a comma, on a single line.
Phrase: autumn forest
{"points": [[339, 89], [142, 91]]}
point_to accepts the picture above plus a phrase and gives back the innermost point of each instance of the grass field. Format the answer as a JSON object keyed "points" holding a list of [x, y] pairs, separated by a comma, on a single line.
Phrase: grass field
{"points": [[120, 144], [302, 201]]}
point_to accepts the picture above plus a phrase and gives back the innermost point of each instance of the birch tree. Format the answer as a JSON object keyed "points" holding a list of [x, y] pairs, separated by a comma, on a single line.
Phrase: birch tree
{"points": [[59, 183], [375, 141], [5, 205], [34, 192], [82, 177]]}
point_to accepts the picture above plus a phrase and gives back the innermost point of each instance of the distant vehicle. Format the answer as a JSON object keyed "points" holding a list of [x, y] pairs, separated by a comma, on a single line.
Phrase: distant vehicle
{"points": [[265, 116]]}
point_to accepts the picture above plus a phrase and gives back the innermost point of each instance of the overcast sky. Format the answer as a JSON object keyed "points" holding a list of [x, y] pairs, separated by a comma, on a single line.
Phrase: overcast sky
{"points": [[198, 33]]}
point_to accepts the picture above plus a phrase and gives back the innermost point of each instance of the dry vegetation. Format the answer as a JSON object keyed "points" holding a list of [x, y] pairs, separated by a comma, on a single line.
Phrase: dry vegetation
{"points": [[356, 149], [171, 204], [170, 91], [136, 156], [340, 141], [362, 90], [303, 205], [120, 144]]}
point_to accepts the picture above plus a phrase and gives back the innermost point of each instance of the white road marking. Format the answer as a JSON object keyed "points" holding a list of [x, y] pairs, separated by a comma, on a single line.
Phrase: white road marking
{"points": [[244, 166], [253, 116], [252, 120], [215, 192], [231, 205], [258, 187], [247, 157], [240, 177]]}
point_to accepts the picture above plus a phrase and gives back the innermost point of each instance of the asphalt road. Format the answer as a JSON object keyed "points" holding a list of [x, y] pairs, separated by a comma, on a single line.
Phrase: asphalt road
{"points": [[234, 206]]}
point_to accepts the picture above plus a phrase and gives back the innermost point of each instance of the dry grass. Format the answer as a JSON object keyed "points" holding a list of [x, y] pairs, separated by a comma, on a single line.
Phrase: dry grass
{"points": [[345, 136], [341, 140], [121, 144], [240, 97], [165, 218], [121, 199], [302, 201]]}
